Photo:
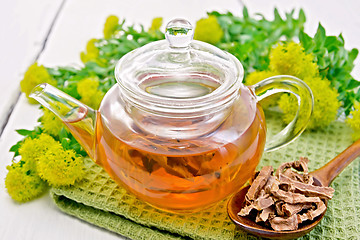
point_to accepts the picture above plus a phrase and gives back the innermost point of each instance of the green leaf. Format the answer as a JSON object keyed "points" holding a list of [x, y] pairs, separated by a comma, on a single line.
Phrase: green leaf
{"points": [[306, 41], [235, 29], [302, 17], [63, 133], [15, 148], [24, 132], [331, 41], [352, 84], [357, 95], [78, 149], [54, 72], [353, 54], [245, 13], [65, 142], [320, 34], [277, 17], [341, 38]]}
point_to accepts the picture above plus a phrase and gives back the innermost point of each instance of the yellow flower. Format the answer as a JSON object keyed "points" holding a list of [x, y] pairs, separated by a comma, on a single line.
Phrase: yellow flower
{"points": [[91, 53], [326, 103], [88, 90], [257, 76], [51, 124], [33, 76], [354, 122], [290, 59], [208, 30], [50, 161], [110, 26], [60, 167], [32, 148], [156, 24], [22, 182]]}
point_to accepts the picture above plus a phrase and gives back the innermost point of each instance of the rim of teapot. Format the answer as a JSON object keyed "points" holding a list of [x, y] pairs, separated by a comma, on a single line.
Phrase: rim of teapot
{"points": [[179, 55]]}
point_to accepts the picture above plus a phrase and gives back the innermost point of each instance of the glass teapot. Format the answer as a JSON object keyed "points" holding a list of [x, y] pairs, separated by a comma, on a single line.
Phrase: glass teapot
{"points": [[179, 130]]}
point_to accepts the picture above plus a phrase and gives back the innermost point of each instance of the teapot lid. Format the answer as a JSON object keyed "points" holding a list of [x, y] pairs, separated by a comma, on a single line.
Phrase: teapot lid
{"points": [[178, 67]]}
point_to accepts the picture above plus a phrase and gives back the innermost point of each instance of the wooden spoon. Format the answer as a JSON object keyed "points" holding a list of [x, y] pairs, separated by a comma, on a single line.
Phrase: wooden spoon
{"points": [[322, 177]]}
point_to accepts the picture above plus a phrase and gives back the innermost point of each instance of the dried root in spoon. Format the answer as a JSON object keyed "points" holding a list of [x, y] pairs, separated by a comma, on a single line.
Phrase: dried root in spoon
{"points": [[286, 199]]}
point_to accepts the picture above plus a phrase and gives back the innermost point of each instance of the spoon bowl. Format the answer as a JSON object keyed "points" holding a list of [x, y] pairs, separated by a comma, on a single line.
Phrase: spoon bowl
{"points": [[322, 177], [236, 203]]}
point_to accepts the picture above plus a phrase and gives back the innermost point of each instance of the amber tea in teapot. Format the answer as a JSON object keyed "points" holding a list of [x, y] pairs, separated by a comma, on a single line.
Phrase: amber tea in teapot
{"points": [[179, 130], [184, 174]]}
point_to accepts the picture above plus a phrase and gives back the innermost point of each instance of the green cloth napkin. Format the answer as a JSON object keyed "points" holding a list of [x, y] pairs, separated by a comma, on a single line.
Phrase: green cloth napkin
{"points": [[97, 199]]}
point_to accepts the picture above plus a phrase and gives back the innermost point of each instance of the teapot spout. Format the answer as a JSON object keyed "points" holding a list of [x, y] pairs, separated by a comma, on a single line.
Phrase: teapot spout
{"points": [[78, 118]]}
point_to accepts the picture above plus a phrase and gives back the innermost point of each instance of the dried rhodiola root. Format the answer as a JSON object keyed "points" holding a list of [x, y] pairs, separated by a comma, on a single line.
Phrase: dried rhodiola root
{"points": [[286, 199]]}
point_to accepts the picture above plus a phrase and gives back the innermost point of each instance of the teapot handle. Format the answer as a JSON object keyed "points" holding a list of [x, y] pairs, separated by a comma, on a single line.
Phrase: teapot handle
{"points": [[287, 84]]}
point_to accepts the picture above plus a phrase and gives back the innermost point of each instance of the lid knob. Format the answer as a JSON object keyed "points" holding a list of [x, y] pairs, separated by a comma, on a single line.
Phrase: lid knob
{"points": [[179, 33]]}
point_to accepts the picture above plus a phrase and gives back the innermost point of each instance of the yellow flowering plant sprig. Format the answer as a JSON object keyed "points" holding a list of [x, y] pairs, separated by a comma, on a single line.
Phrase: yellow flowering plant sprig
{"points": [[155, 27], [335, 64], [110, 26], [127, 38], [43, 162], [35, 75], [63, 136], [208, 30], [23, 183], [250, 39], [290, 58]]}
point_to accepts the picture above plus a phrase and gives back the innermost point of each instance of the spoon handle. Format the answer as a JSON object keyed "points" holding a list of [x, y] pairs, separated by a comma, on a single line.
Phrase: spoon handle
{"points": [[332, 169]]}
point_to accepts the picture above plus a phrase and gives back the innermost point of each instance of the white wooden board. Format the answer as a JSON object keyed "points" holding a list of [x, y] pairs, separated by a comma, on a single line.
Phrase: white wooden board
{"points": [[24, 26]]}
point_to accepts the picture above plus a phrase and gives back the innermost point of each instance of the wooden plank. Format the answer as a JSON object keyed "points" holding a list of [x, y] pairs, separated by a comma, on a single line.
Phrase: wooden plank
{"points": [[25, 26]]}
